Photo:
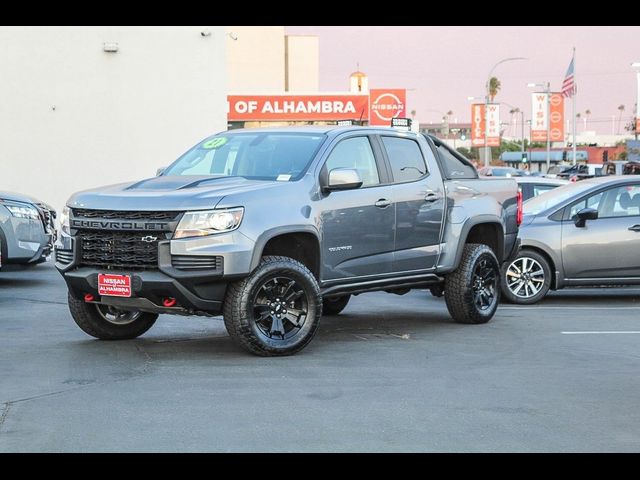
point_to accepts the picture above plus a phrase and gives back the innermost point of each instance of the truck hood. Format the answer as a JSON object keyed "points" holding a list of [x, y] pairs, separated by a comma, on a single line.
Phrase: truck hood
{"points": [[167, 193]]}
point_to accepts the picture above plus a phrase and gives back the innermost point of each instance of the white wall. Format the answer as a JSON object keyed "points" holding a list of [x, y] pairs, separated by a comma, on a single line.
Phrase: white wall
{"points": [[255, 59], [73, 117], [302, 63]]}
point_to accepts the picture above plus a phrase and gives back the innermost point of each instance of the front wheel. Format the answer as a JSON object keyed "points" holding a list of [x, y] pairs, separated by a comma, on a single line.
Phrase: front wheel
{"points": [[109, 323], [472, 292], [527, 279], [276, 310]]}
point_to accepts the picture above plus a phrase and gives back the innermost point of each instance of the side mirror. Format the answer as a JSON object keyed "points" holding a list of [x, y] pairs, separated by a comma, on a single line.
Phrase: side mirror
{"points": [[160, 171], [583, 215], [343, 179]]}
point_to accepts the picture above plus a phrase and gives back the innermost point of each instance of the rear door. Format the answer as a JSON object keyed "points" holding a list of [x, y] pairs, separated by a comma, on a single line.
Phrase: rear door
{"points": [[607, 247], [419, 201]]}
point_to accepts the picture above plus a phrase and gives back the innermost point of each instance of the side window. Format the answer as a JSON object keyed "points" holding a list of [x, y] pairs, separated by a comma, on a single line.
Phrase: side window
{"points": [[355, 153], [538, 189], [622, 201], [407, 163], [593, 201], [453, 167]]}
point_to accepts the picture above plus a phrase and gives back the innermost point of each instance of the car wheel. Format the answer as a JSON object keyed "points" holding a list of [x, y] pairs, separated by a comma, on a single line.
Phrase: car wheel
{"points": [[526, 279], [334, 305], [109, 323], [276, 310], [472, 291]]}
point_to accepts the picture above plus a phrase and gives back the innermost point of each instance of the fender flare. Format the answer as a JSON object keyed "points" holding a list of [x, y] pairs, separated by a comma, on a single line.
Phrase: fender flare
{"points": [[267, 235]]}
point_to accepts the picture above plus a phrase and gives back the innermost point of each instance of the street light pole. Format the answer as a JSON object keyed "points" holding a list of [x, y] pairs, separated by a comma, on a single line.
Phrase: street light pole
{"points": [[548, 90], [487, 148]]}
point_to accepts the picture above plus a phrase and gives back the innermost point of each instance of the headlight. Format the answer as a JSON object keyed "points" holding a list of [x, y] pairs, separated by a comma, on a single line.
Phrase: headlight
{"points": [[209, 222], [23, 210], [64, 220]]}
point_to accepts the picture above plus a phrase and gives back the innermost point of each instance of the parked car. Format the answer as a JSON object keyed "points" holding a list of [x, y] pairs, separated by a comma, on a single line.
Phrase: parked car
{"points": [[272, 227], [581, 171], [27, 229], [582, 234], [554, 170], [531, 186], [501, 172], [621, 167]]}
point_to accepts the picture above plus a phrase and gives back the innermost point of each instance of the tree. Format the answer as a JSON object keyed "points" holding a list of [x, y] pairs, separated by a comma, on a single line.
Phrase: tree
{"points": [[494, 87], [413, 113], [587, 112], [620, 109]]}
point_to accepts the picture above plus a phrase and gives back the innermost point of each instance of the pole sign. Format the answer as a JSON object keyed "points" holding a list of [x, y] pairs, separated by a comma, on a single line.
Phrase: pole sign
{"points": [[493, 129], [539, 117], [387, 104], [556, 107], [477, 125]]}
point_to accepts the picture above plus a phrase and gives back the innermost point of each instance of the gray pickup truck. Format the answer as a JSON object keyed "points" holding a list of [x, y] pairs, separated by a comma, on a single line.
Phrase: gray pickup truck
{"points": [[273, 227]]}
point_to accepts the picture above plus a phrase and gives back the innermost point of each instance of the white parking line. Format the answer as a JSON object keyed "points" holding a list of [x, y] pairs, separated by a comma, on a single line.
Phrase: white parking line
{"points": [[569, 307], [600, 332]]}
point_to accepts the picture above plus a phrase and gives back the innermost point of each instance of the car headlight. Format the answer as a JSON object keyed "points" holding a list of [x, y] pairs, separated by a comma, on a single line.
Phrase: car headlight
{"points": [[209, 222], [64, 220], [23, 210]]}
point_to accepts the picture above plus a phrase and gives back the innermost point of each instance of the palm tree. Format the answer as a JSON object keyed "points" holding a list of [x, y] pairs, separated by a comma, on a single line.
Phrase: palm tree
{"points": [[621, 109], [494, 87], [413, 114], [578, 119]]}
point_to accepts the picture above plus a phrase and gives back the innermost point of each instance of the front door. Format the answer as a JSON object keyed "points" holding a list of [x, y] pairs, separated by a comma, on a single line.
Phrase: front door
{"points": [[607, 247], [357, 226]]}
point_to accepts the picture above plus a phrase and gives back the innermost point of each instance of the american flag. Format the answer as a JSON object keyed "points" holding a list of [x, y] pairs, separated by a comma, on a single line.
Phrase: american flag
{"points": [[568, 85]]}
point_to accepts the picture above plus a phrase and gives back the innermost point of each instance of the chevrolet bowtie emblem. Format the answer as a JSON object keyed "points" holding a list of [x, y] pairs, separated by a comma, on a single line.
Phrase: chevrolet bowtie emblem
{"points": [[149, 239]]}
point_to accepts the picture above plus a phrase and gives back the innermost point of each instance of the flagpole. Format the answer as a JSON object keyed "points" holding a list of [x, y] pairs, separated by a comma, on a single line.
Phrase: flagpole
{"points": [[575, 94]]}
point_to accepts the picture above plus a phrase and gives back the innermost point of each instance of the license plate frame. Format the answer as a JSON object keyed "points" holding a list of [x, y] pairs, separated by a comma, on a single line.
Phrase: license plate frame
{"points": [[114, 285]]}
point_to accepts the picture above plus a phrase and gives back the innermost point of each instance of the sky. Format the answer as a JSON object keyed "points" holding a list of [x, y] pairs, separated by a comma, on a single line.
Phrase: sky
{"points": [[443, 65]]}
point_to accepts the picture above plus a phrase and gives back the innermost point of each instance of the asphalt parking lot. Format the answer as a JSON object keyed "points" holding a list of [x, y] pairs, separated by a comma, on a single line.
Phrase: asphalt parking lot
{"points": [[389, 374]]}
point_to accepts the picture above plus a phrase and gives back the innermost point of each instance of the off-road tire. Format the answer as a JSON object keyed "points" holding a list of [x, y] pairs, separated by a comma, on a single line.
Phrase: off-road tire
{"points": [[459, 292], [241, 304], [88, 318]]}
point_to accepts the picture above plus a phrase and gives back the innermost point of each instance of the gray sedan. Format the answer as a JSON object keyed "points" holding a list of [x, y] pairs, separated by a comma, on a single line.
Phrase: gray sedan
{"points": [[27, 229], [581, 234]]}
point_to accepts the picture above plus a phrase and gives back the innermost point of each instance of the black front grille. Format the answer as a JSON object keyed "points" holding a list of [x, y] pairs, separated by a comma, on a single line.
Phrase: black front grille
{"points": [[197, 262], [118, 249], [47, 217], [124, 215]]}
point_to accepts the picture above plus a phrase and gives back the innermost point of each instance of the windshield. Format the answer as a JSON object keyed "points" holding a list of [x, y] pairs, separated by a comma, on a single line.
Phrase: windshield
{"points": [[282, 156], [554, 197]]}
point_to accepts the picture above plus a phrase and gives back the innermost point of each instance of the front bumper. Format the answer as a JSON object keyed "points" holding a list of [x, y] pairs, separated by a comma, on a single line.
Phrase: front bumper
{"points": [[196, 290], [24, 241]]}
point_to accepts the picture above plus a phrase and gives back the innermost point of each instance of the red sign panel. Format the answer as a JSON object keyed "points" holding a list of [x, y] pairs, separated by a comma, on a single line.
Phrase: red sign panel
{"points": [[386, 104], [114, 285], [297, 107]]}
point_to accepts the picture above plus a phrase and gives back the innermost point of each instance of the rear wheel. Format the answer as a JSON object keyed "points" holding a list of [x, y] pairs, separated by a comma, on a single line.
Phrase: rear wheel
{"points": [[527, 279], [109, 323], [335, 305], [472, 292]]}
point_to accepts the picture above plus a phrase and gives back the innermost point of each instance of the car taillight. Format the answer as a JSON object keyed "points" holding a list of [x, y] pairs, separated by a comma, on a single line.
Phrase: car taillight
{"points": [[519, 212]]}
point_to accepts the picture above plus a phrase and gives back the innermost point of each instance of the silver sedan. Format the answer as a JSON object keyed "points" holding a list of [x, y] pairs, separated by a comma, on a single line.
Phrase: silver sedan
{"points": [[581, 234]]}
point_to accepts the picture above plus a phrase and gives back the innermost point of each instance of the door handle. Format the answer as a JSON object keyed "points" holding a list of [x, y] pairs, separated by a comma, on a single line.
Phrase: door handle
{"points": [[383, 203], [635, 228], [431, 197]]}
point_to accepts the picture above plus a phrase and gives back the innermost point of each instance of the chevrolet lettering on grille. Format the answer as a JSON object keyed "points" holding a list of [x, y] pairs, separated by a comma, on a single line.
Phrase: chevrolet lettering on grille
{"points": [[107, 225]]}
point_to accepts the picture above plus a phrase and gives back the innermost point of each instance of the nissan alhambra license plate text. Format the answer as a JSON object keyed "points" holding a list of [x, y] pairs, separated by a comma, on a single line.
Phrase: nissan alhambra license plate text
{"points": [[114, 285]]}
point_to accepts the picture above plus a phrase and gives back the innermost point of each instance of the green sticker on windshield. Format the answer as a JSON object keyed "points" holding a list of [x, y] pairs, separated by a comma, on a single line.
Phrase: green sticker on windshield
{"points": [[215, 143]]}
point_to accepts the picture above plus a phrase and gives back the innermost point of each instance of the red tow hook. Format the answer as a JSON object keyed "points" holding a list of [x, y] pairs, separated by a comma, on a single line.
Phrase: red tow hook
{"points": [[88, 297], [169, 302]]}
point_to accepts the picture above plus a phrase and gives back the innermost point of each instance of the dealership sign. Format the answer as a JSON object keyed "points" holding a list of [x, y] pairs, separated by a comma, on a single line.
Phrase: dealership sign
{"points": [[480, 114], [554, 121], [297, 107], [387, 104]]}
